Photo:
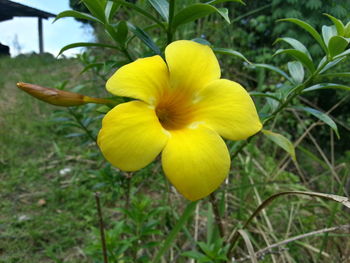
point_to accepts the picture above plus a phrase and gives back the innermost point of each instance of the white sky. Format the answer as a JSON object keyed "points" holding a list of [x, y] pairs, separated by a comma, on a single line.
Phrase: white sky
{"points": [[24, 30]]}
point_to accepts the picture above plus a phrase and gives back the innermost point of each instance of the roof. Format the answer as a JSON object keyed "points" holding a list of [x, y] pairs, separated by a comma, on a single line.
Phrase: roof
{"points": [[9, 9]]}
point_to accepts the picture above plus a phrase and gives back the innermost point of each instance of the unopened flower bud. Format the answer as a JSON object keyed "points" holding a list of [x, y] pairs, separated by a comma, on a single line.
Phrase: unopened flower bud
{"points": [[59, 97]]}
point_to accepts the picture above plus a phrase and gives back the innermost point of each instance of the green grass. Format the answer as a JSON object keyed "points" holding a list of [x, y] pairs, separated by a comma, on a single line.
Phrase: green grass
{"points": [[45, 216]]}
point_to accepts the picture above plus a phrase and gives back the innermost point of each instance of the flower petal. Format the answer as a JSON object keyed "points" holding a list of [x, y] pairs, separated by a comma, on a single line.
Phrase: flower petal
{"points": [[191, 65], [142, 79], [227, 108], [131, 136], [196, 161]]}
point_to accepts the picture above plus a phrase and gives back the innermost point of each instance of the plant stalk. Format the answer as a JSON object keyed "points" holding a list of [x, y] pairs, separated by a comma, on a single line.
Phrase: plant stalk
{"points": [[170, 22], [101, 224], [217, 216]]}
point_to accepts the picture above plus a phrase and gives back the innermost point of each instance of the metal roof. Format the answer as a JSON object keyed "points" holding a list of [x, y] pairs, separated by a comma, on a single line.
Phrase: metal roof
{"points": [[9, 9]]}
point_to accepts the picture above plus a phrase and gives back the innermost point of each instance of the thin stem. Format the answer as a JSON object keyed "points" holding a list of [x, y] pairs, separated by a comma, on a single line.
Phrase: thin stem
{"points": [[128, 187], [101, 224], [171, 16], [127, 54], [218, 219], [87, 131]]}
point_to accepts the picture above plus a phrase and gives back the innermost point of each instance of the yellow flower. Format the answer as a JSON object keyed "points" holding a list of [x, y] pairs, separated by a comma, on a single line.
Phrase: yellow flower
{"points": [[182, 109]]}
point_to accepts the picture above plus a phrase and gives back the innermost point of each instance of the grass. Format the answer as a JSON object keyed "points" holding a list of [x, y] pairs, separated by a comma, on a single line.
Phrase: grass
{"points": [[49, 172], [45, 214]]}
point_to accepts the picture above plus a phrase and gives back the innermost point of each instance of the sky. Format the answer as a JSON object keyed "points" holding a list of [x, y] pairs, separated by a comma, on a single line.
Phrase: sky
{"points": [[21, 33]]}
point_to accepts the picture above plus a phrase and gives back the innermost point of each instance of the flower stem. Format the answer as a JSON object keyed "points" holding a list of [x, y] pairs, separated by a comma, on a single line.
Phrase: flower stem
{"points": [[171, 16], [87, 131], [217, 216], [103, 239]]}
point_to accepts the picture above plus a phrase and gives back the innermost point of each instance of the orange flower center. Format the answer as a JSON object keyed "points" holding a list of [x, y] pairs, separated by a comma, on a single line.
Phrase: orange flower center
{"points": [[174, 110]]}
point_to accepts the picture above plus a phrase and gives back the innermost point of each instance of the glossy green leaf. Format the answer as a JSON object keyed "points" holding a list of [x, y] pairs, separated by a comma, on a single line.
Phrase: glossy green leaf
{"points": [[327, 86], [343, 54], [85, 44], [337, 45], [321, 116], [202, 41], [312, 31], [338, 24], [281, 141], [275, 69], [78, 15], [347, 30], [144, 37], [96, 8], [331, 64], [110, 10], [296, 44], [327, 33], [194, 12], [262, 94], [231, 52], [122, 32], [162, 7], [224, 13], [296, 71], [300, 56]]}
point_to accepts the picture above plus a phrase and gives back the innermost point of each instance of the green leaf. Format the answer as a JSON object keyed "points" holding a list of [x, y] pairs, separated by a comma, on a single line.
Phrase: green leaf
{"points": [[337, 75], [321, 116], [78, 15], [122, 32], [214, 2], [337, 45], [296, 71], [300, 56], [144, 37], [327, 86], [162, 7], [296, 44], [347, 30], [95, 8], [194, 12], [224, 13], [231, 52], [85, 44], [312, 31], [281, 141], [275, 69], [172, 235], [110, 10], [202, 41], [262, 94], [343, 54], [328, 32], [338, 24], [331, 64]]}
